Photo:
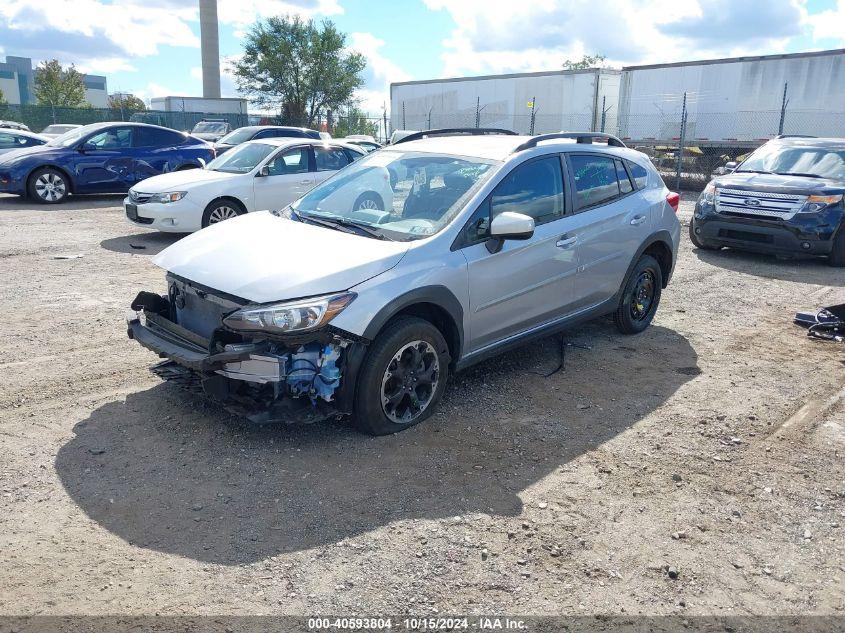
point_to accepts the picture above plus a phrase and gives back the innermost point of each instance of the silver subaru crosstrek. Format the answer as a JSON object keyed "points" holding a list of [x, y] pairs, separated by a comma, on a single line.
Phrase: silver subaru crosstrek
{"points": [[422, 258]]}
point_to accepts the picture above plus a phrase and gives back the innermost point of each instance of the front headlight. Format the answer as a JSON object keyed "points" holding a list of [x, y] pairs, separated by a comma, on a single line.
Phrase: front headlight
{"points": [[817, 203], [709, 193], [294, 316], [171, 196]]}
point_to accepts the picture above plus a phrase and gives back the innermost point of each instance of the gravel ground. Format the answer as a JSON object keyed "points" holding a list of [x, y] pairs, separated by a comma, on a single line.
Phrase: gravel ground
{"points": [[697, 468]]}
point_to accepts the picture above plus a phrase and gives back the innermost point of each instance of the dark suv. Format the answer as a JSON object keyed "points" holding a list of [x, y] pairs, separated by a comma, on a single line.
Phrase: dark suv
{"points": [[785, 199]]}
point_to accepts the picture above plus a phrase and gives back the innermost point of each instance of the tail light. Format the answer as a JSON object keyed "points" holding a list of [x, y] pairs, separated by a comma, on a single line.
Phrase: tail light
{"points": [[674, 199]]}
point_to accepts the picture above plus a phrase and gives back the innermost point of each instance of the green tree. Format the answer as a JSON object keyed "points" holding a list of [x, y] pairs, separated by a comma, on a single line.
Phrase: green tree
{"points": [[125, 101], [300, 68], [353, 120], [587, 61], [2, 98], [58, 87]]}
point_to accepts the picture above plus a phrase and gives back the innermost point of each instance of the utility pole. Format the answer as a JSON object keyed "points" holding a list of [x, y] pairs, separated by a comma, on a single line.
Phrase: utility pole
{"points": [[783, 104], [404, 127], [533, 115], [384, 117], [429, 116], [681, 143], [478, 112]]}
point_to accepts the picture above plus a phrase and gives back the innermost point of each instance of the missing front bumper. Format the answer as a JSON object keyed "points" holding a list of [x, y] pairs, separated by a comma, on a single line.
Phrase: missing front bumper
{"points": [[265, 381]]}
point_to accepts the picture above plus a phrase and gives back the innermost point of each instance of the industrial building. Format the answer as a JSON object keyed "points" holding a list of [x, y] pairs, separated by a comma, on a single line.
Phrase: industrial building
{"points": [[18, 83]]}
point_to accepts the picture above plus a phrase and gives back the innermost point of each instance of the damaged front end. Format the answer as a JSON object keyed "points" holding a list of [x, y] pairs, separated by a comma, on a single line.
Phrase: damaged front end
{"points": [[277, 363]]}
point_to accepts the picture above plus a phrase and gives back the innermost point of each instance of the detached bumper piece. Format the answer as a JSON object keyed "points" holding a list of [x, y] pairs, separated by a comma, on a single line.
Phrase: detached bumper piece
{"points": [[827, 324], [263, 380]]}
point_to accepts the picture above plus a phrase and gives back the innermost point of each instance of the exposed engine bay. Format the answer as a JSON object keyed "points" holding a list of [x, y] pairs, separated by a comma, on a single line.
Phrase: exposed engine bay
{"points": [[292, 378]]}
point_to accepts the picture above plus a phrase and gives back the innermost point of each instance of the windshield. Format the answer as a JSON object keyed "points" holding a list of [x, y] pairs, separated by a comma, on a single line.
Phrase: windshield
{"points": [[402, 195], [784, 159], [213, 127], [242, 159], [238, 136], [70, 138]]}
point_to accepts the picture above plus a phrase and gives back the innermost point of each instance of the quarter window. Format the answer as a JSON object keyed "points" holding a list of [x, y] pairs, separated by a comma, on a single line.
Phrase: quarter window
{"points": [[639, 174], [154, 137], [595, 180], [293, 161], [330, 158], [534, 189]]}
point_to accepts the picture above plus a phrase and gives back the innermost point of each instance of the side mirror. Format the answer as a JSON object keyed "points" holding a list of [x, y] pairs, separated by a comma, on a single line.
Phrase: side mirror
{"points": [[509, 225], [730, 166], [87, 147], [264, 171]]}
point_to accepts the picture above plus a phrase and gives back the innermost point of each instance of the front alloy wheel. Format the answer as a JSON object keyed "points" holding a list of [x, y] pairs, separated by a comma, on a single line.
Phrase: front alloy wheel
{"points": [[410, 382], [402, 377], [48, 185], [220, 212]]}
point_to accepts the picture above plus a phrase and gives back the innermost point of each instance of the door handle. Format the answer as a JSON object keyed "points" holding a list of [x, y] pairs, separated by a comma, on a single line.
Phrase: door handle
{"points": [[638, 219], [566, 242], [304, 182]]}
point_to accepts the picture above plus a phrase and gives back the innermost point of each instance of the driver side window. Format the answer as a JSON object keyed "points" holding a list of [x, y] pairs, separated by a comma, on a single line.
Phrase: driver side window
{"points": [[534, 189], [293, 161], [112, 138]]}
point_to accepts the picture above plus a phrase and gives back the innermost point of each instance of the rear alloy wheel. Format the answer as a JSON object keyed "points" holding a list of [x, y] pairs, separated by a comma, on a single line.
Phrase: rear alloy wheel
{"points": [[219, 212], [402, 378], [48, 185], [640, 296]]}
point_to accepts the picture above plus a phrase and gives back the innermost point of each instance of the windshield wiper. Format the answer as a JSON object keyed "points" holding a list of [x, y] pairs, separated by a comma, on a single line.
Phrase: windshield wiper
{"points": [[335, 222], [797, 173], [752, 171]]}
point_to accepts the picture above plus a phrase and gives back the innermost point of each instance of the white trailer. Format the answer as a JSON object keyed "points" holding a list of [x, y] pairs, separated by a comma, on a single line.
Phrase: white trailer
{"points": [[737, 101], [564, 100], [219, 105]]}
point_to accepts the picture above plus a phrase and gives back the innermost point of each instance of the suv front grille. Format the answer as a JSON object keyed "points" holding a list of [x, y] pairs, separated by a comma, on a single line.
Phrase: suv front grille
{"points": [[758, 203]]}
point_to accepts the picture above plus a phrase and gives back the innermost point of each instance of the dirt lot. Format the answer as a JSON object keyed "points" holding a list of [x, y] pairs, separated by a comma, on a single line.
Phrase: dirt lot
{"points": [[712, 445]]}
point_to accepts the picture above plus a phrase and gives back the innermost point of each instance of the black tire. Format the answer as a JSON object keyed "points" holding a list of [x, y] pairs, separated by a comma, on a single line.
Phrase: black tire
{"points": [[377, 378], [368, 201], [640, 296], [697, 242], [48, 186], [218, 208], [837, 253]]}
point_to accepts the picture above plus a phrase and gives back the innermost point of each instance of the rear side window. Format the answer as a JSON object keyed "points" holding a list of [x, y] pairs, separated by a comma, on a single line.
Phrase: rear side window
{"points": [[639, 174], [330, 158], [534, 189], [155, 137], [595, 180]]}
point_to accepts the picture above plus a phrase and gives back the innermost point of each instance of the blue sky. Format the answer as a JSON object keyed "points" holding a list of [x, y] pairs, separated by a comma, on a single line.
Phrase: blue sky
{"points": [[151, 47]]}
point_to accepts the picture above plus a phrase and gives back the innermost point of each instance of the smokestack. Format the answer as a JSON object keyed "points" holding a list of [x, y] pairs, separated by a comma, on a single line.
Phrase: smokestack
{"points": [[210, 42]]}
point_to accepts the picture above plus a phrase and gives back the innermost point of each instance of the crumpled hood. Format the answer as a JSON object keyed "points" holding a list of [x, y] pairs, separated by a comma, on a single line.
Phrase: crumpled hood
{"points": [[264, 258], [778, 183], [176, 180]]}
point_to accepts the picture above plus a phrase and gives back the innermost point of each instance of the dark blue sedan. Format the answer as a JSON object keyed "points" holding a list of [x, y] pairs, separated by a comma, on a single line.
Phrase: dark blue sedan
{"points": [[99, 158]]}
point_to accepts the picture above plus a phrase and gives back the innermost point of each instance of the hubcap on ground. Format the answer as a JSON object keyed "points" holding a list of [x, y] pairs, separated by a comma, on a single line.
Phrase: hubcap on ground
{"points": [[643, 295], [409, 382], [50, 187], [222, 213]]}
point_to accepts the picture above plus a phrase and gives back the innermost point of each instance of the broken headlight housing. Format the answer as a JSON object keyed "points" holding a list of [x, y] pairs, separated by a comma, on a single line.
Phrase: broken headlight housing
{"points": [[291, 316], [170, 196]]}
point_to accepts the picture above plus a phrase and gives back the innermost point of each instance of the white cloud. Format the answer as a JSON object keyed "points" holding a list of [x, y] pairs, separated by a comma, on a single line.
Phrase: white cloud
{"points": [[379, 74], [829, 23], [242, 13], [501, 35]]}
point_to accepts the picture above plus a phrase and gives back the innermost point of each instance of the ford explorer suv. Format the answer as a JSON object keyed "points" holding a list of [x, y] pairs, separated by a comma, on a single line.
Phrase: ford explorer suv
{"points": [[784, 199], [363, 296]]}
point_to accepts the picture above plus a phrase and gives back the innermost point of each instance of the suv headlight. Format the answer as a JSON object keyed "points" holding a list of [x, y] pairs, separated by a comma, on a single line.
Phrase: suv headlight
{"points": [[817, 203], [171, 196], [709, 193], [293, 316]]}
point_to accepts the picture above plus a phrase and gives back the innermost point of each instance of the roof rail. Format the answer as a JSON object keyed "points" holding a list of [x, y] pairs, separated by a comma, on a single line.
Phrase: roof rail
{"points": [[795, 136], [580, 137], [455, 131]]}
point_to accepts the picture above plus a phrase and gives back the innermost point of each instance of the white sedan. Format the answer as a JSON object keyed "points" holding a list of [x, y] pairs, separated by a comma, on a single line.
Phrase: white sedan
{"points": [[266, 174]]}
